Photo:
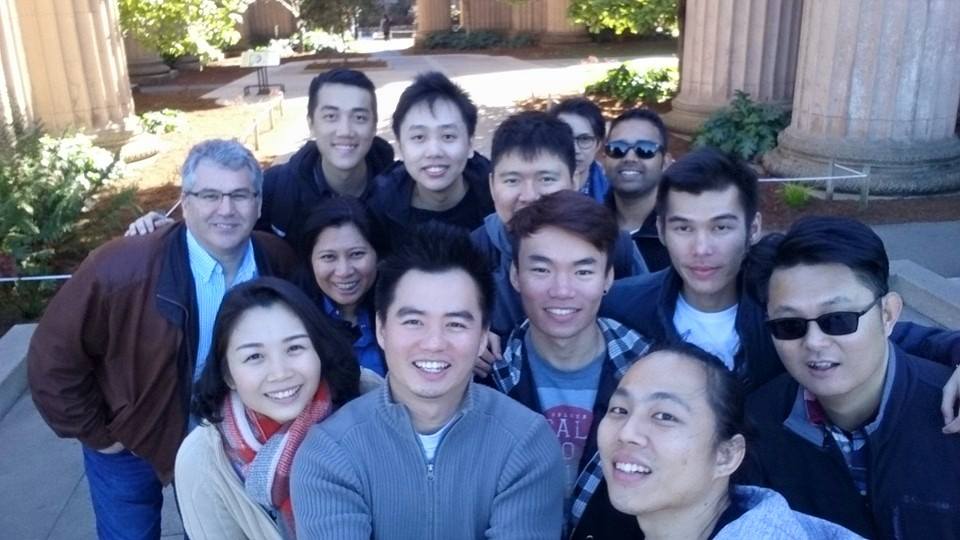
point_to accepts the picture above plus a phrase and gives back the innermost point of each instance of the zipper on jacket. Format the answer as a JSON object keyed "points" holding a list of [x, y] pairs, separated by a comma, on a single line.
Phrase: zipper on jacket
{"points": [[430, 471]]}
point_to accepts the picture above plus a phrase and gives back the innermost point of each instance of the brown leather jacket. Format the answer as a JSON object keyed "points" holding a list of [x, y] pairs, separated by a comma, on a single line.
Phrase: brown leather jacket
{"points": [[113, 356]]}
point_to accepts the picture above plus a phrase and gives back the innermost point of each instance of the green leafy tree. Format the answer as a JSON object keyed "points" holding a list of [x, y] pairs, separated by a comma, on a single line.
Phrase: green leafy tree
{"points": [[631, 16], [336, 16], [177, 28]]}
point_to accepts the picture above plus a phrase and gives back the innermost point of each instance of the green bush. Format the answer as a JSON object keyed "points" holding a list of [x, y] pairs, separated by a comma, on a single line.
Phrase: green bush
{"points": [[162, 121], [48, 187], [623, 83], [479, 39], [796, 195], [645, 17], [745, 128]]}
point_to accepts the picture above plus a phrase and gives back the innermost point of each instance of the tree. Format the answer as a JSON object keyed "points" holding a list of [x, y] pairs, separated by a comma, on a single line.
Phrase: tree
{"points": [[335, 16], [632, 16], [177, 28]]}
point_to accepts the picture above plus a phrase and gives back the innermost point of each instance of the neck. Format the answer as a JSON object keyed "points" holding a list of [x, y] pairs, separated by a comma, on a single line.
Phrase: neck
{"points": [[438, 201], [430, 414], [852, 410], [580, 177], [349, 313], [351, 182], [693, 522], [569, 354], [632, 212], [711, 303]]}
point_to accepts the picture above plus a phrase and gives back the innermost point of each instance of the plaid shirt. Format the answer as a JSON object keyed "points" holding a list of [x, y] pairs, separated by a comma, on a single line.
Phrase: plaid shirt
{"points": [[852, 444], [624, 346]]}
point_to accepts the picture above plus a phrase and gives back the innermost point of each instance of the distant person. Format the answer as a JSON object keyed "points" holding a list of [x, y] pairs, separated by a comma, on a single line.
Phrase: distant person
{"points": [[113, 360], [586, 120], [431, 455], [563, 361], [342, 159], [276, 368], [441, 178], [851, 433], [342, 246], [635, 157], [385, 24], [670, 441]]}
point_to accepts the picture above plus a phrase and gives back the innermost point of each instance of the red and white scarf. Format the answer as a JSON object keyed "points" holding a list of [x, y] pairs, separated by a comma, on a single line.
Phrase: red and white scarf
{"points": [[262, 450]]}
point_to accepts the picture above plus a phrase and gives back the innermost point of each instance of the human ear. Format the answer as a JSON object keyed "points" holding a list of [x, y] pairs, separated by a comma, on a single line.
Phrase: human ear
{"points": [[755, 229], [514, 278], [730, 454], [890, 308]]}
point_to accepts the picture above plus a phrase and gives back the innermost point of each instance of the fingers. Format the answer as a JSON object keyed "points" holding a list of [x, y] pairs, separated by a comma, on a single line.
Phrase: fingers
{"points": [[493, 346], [147, 223], [949, 403]]}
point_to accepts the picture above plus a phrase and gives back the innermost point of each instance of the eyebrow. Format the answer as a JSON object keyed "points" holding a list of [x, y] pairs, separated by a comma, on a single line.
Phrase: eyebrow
{"points": [[790, 310], [256, 344], [656, 396], [335, 108], [462, 314], [720, 217]]}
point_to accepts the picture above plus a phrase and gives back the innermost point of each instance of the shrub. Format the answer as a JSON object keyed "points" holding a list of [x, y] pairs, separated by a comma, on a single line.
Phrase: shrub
{"points": [[796, 195], [623, 83], [479, 39], [162, 121], [48, 188], [745, 128], [315, 41], [645, 17]]}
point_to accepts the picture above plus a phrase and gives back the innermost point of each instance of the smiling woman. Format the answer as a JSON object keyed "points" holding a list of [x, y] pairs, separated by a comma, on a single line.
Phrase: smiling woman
{"points": [[276, 367]]}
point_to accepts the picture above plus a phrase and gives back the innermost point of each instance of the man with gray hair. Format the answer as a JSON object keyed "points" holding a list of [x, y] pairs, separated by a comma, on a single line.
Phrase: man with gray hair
{"points": [[113, 360]]}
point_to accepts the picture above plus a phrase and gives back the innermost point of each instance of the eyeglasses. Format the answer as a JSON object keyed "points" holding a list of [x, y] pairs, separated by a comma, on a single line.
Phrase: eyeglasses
{"points": [[213, 197], [585, 141], [643, 149], [836, 323]]}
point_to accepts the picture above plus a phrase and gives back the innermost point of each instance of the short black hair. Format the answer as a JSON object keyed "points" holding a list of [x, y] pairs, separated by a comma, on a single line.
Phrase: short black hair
{"points": [[530, 133], [821, 240], [349, 77], [570, 211], [434, 248], [429, 87], [338, 211], [725, 393], [583, 107], [709, 169], [647, 115], [341, 370]]}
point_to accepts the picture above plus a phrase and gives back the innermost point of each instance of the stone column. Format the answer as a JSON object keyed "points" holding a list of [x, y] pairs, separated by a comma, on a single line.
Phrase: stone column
{"points": [[145, 65], [15, 102], [432, 16], [730, 45], [559, 29], [485, 14], [878, 84], [528, 16]]}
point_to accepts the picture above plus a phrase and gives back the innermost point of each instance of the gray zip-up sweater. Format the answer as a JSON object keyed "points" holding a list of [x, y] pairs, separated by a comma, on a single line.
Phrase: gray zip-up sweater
{"points": [[497, 474]]}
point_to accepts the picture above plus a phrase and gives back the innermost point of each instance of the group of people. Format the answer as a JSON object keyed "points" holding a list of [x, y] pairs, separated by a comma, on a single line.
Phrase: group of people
{"points": [[575, 338]]}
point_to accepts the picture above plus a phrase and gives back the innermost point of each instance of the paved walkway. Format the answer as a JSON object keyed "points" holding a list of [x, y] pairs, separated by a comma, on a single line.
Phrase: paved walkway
{"points": [[42, 489]]}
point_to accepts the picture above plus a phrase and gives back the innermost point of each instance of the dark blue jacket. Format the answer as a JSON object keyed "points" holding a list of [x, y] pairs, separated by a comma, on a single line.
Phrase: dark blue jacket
{"points": [[292, 189], [393, 193], [913, 472], [647, 304]]}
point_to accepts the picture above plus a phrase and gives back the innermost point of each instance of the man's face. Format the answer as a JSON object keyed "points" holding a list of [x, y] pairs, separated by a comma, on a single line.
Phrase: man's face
{"points": [[434, 144], [221, 228], [707, 237], [631, 176], [561, 279], [517, 182], [841, 371], [657, 440], [343, 125], [586, 143], [432, 340]]}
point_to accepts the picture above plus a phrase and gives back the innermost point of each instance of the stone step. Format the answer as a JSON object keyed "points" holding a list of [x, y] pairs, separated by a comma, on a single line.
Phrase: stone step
{"points": [[933, 296]]}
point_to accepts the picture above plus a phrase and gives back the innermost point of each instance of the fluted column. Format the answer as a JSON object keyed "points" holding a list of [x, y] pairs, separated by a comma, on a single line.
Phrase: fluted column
{"points": [[485, 14], [144, 64], [730, 45], [432, 16], [15, 102], [528, 16], [878, 85], [558, 27]]}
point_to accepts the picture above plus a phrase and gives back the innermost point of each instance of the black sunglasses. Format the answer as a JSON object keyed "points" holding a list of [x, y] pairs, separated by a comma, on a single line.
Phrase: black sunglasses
{"points": [[644, 149], [836, 323]]}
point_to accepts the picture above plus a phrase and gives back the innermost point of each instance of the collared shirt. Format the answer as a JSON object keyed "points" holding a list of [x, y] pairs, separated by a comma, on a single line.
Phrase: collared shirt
{"points": [[365, 344], [210, 285], [809, 420]]}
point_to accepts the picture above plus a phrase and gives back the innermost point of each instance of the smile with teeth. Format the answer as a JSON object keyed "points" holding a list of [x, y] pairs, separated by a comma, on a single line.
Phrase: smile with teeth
{"points": [[283, 394], [631, 468], [431, 366], [821, 365], [561, 312], [347, 286], [436, 170]]}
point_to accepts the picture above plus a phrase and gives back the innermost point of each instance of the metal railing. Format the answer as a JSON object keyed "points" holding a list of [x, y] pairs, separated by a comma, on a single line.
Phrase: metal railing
{"points": [[852, 174]]}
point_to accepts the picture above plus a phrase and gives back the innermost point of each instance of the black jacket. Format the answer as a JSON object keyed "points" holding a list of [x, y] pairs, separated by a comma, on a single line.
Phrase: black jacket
{"points": [[292, 189], [913, 473]]}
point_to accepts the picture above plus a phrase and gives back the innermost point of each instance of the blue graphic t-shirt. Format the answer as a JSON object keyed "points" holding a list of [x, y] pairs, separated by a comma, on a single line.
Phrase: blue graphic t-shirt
{"points": [[567, 398]]}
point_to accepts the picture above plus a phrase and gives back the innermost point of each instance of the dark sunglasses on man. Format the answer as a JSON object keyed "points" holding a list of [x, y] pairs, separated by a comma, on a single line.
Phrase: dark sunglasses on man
{"points": [[644, 149], [835, 323]]}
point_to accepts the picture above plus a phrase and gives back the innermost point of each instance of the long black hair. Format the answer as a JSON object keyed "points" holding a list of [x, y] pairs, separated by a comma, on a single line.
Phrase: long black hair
{"points": [[340, 368]]}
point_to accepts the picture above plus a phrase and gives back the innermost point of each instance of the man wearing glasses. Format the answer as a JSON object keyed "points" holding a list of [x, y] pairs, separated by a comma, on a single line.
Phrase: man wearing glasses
{"points": [[113, 359], [851, 433], [634, 157]]}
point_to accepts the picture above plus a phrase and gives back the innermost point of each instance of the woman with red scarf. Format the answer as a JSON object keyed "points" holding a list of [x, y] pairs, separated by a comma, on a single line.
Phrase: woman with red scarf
{"points": [[276, 367]]}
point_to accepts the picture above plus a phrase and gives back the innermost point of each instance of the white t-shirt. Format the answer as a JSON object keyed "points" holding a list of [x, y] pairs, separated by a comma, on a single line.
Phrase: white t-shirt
{"points": [[431, 441], [713, 332]]}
